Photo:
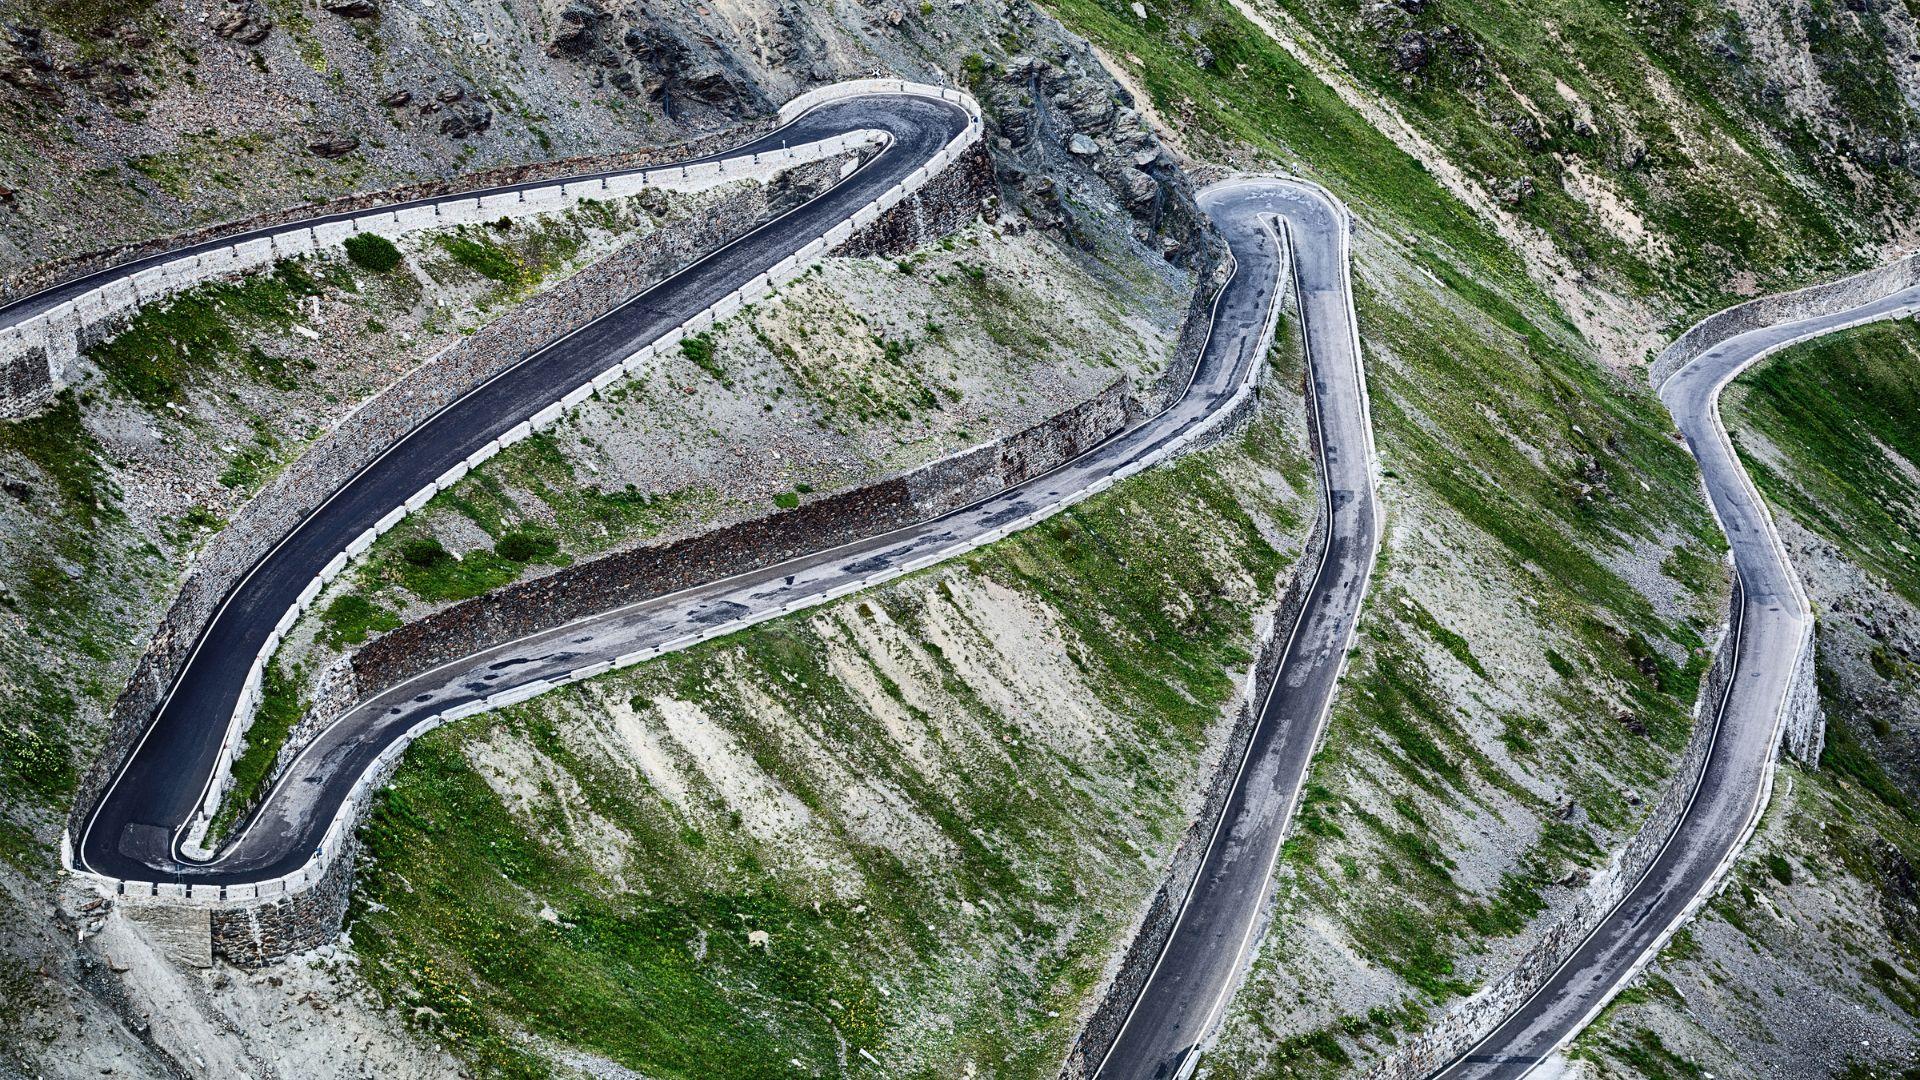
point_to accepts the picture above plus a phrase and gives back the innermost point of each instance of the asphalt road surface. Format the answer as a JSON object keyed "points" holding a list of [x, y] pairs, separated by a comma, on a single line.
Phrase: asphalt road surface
{"points": [[1207, 950], [133, 832], [1772, 620]]}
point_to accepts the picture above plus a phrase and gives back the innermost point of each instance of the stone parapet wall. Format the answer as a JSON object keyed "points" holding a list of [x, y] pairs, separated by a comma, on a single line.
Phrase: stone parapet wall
{"points": [[16, 284], [366, 432], [1825, 298]]}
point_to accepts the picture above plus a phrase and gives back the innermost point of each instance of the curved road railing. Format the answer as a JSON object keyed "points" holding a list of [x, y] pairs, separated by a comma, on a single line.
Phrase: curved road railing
{"points": [[1206, 952], [921, 128], [1770, 674]]}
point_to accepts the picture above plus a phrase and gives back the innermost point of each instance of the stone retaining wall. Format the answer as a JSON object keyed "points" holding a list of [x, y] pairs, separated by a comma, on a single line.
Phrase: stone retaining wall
{"points": [[366, 432], [1831, 296], [260, 933], [1803, 731], [962, 191], [639, 574], [1214, 270]]}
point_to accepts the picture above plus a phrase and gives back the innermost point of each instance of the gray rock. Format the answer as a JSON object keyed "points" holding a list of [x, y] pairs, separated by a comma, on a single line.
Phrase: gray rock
{"points": [[333, 146], [1412, 52], [353, 9], [244, 26], [1082, 145], [397, 99], [460, 123], [1137, 188]]}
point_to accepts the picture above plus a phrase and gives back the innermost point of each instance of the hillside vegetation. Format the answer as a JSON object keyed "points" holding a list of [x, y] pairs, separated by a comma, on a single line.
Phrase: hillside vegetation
{"points": [[1811, 956]]}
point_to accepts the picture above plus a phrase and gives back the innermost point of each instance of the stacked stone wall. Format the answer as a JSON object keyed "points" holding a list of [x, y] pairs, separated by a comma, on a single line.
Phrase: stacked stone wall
{"points": [[961, 192], [628, 577], [257, 934], [1825, 298]]}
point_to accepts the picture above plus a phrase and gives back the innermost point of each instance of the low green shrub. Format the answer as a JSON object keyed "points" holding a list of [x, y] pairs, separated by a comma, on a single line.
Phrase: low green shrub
{"points": [[372, 252]]}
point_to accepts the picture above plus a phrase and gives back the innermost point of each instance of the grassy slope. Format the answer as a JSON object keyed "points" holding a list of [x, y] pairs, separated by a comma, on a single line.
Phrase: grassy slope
{"points": [[106, 496], [943, 801], [1547, 582], [1658, 152], [1839, 413], [1829, 431]]}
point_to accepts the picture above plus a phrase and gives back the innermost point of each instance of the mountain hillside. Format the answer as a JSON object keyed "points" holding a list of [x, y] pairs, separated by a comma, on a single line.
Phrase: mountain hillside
{"points": [[913, 833]]}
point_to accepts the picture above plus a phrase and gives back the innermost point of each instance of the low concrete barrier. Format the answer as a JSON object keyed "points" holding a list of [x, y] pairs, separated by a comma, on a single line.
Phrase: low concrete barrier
{"points": [[43, 348]]}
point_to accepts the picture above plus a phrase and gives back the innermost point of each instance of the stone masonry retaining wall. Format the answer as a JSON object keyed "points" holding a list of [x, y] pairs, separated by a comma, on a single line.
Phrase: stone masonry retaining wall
{"points": [[643, 573], [963, 191], [257, 935], [368, 430], [1864, 287]]}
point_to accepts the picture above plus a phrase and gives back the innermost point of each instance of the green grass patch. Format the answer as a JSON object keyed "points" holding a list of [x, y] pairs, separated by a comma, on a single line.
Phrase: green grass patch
{"points": [[280, 708], [1842, 412], [199, 333], [352, 618]]}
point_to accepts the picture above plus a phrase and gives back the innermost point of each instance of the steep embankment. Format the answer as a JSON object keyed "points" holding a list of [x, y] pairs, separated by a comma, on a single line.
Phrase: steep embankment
{"points": [[184, 416], [1808, 958], [1550, 577]]}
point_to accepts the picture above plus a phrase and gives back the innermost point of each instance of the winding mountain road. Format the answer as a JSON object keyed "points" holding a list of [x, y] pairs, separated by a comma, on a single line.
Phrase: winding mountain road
{"points": [[1772, 625], [135, 830], [1273, 226], [1206, 952]]}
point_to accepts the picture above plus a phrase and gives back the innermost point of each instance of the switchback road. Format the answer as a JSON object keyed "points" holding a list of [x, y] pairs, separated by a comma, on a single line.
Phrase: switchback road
{"points": [[134, 832], [1772, 624], [1208, 948]]}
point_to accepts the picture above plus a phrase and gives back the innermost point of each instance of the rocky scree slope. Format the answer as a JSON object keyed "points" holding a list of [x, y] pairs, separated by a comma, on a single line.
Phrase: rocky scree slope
{"points": [[133, 121]]}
